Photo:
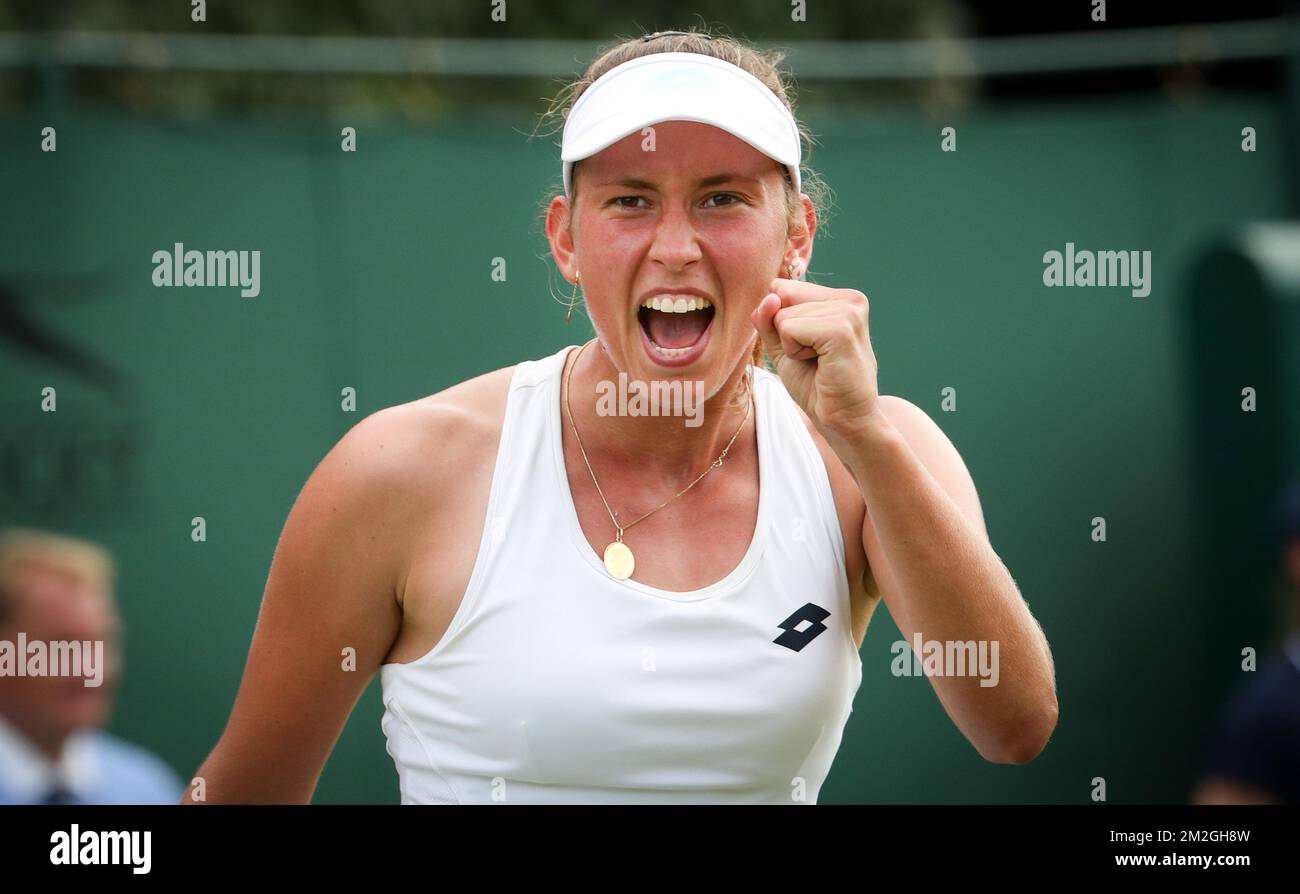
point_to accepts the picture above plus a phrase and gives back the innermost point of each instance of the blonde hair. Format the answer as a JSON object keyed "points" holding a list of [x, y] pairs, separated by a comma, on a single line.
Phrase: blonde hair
{"points": [[20, 547], [762, 64]]}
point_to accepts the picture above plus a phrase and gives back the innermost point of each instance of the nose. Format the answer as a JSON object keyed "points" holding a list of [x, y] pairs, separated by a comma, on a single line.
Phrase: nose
{"points": [[675, 245]]}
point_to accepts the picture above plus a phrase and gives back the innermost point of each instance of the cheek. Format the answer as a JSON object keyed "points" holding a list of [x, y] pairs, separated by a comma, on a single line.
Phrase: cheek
{"points": [[610, 253], [746, 268], [748, 244], [610, 237]]}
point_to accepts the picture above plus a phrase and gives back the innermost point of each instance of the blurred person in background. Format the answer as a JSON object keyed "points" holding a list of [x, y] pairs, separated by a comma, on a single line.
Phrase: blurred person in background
{"points": [[1255, 755], [53, 749]]}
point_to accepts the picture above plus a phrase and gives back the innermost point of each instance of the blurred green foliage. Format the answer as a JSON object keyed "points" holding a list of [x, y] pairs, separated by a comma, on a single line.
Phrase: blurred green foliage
{"points": [[422, 97]]}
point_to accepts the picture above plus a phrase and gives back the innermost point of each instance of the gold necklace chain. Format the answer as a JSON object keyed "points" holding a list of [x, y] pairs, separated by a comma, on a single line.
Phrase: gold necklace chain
{"points": [[618, 557]]}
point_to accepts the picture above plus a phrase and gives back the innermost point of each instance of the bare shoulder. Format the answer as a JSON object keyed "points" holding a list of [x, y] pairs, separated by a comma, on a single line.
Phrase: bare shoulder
{"points": [[397, 470], [422, 441], [461, 412], [432, 461]]}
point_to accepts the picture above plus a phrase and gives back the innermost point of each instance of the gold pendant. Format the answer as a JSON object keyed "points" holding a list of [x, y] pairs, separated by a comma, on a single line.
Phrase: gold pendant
{"points": [[618, 560]]}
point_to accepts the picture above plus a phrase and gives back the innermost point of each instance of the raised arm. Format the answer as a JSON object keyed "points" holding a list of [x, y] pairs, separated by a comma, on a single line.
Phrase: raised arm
{"points": [[932, 561]]}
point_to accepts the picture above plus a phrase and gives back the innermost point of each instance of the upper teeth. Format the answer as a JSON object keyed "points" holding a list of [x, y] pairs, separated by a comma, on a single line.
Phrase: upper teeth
{"points": [[677, 304]]}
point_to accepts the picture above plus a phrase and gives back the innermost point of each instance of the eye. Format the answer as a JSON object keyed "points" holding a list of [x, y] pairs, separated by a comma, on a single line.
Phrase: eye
{"points": [[618, 202], [725, 195]]}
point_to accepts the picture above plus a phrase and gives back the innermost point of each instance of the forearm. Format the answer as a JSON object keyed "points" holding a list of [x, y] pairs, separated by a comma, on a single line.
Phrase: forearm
{"points": [[946, 583]]}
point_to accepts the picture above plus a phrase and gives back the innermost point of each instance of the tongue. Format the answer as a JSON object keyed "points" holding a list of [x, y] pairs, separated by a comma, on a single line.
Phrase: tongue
{"points": [[677, 330]]}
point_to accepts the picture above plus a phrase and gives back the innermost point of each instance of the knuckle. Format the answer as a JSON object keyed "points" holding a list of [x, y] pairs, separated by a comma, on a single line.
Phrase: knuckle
{"points": [[858, 299]]}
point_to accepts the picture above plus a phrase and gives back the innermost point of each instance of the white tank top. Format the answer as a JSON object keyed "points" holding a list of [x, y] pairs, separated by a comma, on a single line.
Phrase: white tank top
{"points": [[556, 683]]}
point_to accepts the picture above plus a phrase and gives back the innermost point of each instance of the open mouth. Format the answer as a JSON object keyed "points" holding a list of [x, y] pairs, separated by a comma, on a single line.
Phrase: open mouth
{"points": [[676, 327]]}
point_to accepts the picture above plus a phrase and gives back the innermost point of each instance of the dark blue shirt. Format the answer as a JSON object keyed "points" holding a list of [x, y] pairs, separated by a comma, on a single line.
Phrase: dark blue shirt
{"points": [[1258, 741]]}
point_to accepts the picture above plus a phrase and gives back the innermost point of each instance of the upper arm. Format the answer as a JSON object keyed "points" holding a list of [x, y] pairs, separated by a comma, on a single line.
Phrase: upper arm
{"points": [[941, 459], [329, 595]]}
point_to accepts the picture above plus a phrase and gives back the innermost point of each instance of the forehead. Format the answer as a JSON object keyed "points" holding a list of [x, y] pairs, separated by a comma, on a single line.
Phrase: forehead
{"points": [[689, 148], [51, 588]]}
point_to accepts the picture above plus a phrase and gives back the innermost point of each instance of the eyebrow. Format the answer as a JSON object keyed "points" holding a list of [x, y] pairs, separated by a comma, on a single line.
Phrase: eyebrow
{"points": [[714, 180]]}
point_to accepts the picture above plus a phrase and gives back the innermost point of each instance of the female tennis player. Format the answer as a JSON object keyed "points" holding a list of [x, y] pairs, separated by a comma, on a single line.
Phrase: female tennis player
{"points": [[572, 601]]}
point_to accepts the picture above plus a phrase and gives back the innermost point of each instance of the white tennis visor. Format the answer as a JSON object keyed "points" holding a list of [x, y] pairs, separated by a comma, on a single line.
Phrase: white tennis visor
{"points": [[679, 87]]}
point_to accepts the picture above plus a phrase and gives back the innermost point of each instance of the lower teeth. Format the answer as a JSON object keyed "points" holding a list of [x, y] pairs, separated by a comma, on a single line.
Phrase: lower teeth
{"points": [[671, 352]]}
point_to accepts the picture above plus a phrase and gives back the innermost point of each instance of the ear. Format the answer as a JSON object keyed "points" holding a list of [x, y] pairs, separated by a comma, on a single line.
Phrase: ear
{"points": [[799, 242], [558, 221]]}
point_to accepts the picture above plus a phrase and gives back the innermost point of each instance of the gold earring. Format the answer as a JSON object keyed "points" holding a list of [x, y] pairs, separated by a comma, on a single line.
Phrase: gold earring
{"points": [[574, 300], [790, 270]]}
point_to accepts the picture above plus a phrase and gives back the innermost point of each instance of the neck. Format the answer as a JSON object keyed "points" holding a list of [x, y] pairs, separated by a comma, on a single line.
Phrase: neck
{"points": [[660, 445]]}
